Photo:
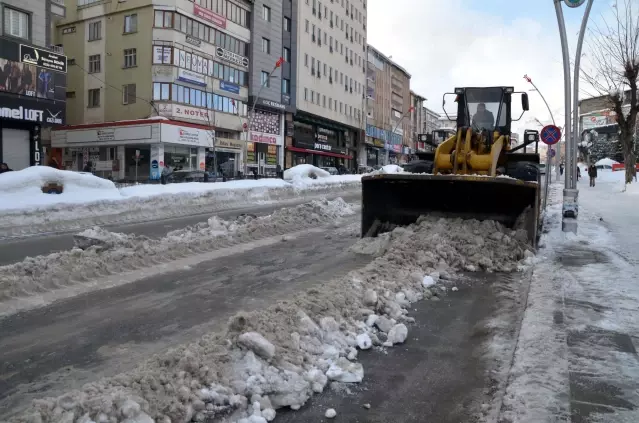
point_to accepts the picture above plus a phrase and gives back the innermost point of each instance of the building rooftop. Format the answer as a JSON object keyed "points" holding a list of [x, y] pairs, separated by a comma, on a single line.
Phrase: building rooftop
{"points": [[388, 60]]}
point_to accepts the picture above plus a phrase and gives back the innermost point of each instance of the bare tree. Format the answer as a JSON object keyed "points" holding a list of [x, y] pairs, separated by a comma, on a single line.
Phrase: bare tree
{"points": [[614, 57]]}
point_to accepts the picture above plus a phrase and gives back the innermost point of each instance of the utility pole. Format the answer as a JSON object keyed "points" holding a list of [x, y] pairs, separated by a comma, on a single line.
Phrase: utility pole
{"points": [[570, 208], [410, 109]]}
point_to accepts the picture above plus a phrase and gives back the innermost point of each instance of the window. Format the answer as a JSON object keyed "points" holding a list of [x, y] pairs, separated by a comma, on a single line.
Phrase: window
{"points": [[323, 101], [266, 45], [16, 23], [94, 63], [306, 25], [265, 80], [286, 54], [203, 32], [306, 94], [130, 58], [287, 24], [94, 98], [306, 59], [266, 13], [95, 31], [286, 86], [131, 23], [162, 92], [128, 94], [162, 19], [70, 94]]}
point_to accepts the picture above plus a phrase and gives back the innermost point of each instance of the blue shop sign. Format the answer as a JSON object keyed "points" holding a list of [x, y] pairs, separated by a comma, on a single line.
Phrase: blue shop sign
{"points": [[230, 87]]}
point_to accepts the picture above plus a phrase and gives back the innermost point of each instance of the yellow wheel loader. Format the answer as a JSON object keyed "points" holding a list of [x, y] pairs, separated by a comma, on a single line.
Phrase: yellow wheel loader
{"points": [[474, 174]]}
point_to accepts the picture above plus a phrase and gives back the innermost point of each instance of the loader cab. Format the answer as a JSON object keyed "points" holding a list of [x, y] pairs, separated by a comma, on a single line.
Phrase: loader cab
{"points": [[487, 108]]}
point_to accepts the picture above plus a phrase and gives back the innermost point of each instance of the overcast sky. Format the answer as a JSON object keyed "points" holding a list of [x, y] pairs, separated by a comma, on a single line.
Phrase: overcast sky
{"points": [[448, 43]]}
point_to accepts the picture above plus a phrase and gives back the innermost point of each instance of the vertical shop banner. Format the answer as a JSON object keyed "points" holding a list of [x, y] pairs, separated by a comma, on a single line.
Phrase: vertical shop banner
{"points": [[201, 158], [271, 155], [250, 153], [157, 161], [36, 146]]}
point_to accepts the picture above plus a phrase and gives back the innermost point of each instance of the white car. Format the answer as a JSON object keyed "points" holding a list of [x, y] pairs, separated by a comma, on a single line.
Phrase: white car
{"points": [[542, 168]]}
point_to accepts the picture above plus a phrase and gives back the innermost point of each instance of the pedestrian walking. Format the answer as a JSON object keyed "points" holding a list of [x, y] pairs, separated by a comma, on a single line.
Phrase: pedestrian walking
{"points": [[561, 169], [592, 173]]}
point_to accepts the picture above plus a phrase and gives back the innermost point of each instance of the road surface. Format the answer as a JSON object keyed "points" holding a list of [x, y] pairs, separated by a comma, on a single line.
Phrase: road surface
{"points": [[52, 349], [15, 250]]}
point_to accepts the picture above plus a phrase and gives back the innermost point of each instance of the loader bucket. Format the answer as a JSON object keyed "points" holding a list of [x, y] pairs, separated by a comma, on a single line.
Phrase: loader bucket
{"points": [[399, 200]]}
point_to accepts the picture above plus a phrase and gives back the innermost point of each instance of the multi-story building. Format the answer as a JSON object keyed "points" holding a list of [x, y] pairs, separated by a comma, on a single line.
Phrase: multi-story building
{"points": [[155, 86], [33, 80], [417, 119], [328, 76], [431, 121], [388, 101]]}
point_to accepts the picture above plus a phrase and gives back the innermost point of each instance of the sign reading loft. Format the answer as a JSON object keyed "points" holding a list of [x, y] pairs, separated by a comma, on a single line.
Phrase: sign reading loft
{"points": [[32, 96]]}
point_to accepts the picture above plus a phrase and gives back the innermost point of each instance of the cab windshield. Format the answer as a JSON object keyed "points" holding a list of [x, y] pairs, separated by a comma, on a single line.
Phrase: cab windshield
{"points": [[485, 107]]}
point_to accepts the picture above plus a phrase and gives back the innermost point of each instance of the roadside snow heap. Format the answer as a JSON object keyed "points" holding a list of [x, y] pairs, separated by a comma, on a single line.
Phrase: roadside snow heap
{"points": [[88, 200], [99, 252], [21, 189], [281, 356], [309, 175]]}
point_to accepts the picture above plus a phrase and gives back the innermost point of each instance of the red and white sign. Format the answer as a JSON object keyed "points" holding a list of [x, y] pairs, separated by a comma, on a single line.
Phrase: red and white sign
{"points": [[175, 134], [208, 15], [264, 138]]}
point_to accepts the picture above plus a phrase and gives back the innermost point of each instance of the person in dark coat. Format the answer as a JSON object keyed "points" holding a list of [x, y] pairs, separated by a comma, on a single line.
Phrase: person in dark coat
{"points": [[88, 167], [5, 168], [592, 172]]}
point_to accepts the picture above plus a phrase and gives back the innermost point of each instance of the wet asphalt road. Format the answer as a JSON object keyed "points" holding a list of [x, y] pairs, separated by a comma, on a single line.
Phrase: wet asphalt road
{"points": [[439, 375], [55, 348], [15, 250]]}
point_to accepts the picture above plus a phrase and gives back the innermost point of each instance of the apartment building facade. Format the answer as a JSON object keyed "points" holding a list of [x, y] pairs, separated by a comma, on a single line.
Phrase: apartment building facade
{"points": [[155, 87], [328, 84], [417, 120], [388, 105], [33, 80]]}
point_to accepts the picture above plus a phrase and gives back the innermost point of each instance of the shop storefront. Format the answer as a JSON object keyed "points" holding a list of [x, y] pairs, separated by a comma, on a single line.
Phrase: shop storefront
{"points": [[265, 139], [375, 153], [227, 155], [133, 150], [319, 146], [32, 97]]}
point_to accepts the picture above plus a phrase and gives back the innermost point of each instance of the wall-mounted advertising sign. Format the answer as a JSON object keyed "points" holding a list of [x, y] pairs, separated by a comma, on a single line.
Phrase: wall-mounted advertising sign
{"points": [[230, 87], [32, 110], [231, 57], [43, 59]]}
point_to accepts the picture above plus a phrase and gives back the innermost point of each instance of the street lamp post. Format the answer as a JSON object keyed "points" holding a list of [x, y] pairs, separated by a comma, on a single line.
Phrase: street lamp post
{"points": [[570, 201], [410, 109]]}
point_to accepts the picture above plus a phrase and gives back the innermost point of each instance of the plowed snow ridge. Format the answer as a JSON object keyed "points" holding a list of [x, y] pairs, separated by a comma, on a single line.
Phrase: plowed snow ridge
{"points": [[105, 252], [282, 355], [69, 217]]}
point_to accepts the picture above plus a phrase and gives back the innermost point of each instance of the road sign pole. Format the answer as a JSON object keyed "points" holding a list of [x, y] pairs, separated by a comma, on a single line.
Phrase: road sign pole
{"points": [[549, 135], [569, 210]]}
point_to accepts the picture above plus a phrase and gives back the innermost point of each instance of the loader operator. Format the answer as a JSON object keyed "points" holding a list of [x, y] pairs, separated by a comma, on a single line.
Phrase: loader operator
{"points": [[483, 119]]}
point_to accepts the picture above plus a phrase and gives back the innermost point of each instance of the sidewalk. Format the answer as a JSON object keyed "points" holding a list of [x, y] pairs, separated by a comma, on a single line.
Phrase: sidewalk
{"points": [[576, 359]]}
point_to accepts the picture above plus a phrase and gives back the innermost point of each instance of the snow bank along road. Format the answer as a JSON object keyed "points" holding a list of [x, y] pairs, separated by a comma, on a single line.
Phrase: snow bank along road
{"points": [[17, 249], [337, 297], [145, 203]]}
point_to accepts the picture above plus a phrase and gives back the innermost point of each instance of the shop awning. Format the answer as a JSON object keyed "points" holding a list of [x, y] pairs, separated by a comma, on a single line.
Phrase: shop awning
{"points": [[320, 153]]}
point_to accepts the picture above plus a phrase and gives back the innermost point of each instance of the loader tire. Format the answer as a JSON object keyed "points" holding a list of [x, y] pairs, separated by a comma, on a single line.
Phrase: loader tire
{"points": [[524, 171]]}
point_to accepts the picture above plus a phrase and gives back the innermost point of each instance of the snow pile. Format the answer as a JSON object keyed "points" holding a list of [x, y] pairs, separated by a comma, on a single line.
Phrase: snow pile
{"points": [[307, 176], [281, 356], [23, 189], [88, 200], [391, 168], [304, 171], [99, 252], [606, 162]]}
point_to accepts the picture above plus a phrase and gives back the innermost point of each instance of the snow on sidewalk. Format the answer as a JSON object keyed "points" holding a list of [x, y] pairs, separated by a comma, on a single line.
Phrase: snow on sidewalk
{"points": [[576, 358], [88, 200], [281, 356]]}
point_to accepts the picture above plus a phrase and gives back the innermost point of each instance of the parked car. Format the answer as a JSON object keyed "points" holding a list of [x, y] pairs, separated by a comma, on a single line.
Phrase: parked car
{"points": [[185, 176], [331, 170], [542, 168]]}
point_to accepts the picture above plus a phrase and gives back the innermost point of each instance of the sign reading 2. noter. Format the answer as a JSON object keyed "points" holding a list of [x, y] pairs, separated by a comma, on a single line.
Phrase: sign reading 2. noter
{"points": [[43, 58]]}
